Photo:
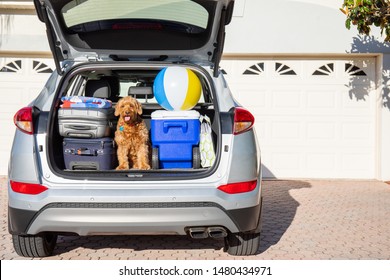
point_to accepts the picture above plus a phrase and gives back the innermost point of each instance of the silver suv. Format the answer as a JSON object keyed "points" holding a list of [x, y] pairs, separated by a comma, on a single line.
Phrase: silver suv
{"points": [[124, 45]]}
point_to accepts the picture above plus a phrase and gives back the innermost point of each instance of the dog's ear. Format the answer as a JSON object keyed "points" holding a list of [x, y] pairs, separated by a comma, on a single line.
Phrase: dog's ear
{"points": [[139, 107], [117, 107]]}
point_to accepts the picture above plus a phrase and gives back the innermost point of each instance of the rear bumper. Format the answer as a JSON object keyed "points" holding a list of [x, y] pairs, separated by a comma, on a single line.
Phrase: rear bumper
{"points": [[130, 218]]}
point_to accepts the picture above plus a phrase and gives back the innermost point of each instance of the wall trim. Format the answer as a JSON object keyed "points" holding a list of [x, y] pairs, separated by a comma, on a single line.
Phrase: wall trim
{"points": [[227, 56], [26, 54], [17, 8], [379, 107], [268, 56]]}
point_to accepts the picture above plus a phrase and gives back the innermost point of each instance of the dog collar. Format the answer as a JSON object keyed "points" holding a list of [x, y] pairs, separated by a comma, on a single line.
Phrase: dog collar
{"points": [[121, 128]]}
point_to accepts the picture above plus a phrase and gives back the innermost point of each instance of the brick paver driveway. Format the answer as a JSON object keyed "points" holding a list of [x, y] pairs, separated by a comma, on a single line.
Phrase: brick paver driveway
{"points": [[301, 220]]}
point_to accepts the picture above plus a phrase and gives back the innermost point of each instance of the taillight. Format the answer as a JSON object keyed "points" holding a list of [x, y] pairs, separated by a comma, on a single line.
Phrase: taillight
{"points": [[27, 188], [241, 187], [243, 120], [23, 120]]}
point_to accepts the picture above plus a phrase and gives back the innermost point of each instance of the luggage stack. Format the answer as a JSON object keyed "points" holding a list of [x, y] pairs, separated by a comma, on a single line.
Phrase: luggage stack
{"points": [[87, 125]]}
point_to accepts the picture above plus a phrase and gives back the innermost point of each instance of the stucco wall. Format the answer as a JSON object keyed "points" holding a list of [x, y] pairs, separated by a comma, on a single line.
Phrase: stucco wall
{"points": [[295, 27], [22, 33], [258, 26]]}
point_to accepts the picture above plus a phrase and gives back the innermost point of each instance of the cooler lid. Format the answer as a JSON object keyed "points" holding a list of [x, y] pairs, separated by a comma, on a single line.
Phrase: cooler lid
{"points": [[175, 115]]}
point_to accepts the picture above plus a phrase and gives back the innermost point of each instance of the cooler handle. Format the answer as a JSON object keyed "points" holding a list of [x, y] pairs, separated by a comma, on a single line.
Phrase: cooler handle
{"points": [[182, 124]]}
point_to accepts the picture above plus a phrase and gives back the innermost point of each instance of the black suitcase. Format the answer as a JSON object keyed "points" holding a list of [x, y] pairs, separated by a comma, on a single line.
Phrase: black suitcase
{"points": [[89, 154]]}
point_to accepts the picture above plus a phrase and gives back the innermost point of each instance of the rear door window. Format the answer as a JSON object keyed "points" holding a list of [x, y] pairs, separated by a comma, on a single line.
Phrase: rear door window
{"points": [[185, 14]]}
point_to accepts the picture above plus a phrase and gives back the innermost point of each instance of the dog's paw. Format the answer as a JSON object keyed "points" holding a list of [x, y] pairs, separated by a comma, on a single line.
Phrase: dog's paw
{"points": [[122, 167], [146, 167], [142, 167]]}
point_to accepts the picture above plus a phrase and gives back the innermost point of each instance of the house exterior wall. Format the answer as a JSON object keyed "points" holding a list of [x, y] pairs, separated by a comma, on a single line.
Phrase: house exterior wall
{"points": [[22, 33], [295, 27], [258, 26]]}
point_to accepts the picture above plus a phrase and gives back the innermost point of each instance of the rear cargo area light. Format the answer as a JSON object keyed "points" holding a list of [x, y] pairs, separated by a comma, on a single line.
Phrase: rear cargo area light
{"points": [[27, 188], [240, 187], [243, 120], [23, 120]]}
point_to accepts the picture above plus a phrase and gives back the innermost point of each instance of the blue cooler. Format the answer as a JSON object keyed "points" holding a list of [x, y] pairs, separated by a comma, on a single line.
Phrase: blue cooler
{"points": [[174, 136]]}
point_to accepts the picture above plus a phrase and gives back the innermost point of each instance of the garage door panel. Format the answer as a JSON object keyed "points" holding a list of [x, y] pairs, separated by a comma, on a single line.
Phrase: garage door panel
{"points": [[21, 80], [286, 130], [353, 132], [290, 162], [10, 96], [305, 102], [287, 100], [353, 161], [6, 139], [321, 100], [320, 163], [249, 93], [7, 126], [261, 128], [318, 134], [324, 102], [358, 106], [321, 131], [32, 92], [318, 121], [287, 164]]}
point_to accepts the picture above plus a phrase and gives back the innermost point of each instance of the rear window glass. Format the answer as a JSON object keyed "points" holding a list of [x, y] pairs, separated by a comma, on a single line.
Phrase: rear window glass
{"points": [[184, 12]]}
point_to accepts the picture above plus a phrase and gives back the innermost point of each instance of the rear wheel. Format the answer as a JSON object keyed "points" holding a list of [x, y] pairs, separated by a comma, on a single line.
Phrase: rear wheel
{"points": [[155, 160], [242, 244], [34, 245], [196, 157]]}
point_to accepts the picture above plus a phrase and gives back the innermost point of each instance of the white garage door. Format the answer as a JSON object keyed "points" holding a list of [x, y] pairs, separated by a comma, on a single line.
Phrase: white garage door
{"points": [[21, 80], [314, 118]]}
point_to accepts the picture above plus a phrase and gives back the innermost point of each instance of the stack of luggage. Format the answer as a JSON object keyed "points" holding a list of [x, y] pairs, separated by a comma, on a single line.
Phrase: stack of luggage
{"points": [[87, 124]]}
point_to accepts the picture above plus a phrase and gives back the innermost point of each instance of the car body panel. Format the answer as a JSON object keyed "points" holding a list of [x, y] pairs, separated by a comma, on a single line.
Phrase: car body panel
{"points": [[86, 221], [133, 201], [23, 165], [83, 44]]}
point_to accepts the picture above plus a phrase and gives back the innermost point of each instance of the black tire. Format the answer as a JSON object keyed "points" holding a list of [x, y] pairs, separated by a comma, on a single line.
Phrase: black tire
{"points": [[155, 160], [242, 244], [34, 245], [196, 157]]}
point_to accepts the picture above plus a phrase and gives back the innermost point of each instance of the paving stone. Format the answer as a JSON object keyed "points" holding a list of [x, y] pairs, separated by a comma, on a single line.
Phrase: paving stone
{"points": [[308, 219]]}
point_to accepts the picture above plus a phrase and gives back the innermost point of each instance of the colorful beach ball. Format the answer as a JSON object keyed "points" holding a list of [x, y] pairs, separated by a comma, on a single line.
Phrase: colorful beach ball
{"points": [[177, 88]]}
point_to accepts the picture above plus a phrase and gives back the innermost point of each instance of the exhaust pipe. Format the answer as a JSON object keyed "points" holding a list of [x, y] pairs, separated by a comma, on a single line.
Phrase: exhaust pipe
{"points": [[198, 232], [217, 232]]}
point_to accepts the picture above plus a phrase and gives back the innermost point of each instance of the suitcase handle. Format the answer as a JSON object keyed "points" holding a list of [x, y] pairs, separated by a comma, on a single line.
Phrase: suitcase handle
{"points": [[79, 127], [80, 152], [168, 125], [79, 135], [86, 152], [77, 165]]}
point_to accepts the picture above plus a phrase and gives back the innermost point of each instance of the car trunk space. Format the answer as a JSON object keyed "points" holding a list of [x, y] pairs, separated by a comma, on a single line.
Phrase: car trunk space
{"points": [[86, 122]]}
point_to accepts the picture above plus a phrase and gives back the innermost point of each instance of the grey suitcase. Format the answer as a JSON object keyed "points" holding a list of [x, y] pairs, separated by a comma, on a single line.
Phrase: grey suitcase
{"points": [[86, 122]]}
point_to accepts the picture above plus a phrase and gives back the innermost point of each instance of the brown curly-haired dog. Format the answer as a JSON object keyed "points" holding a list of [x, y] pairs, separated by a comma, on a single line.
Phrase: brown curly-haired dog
{"points": [[131, 135]]}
